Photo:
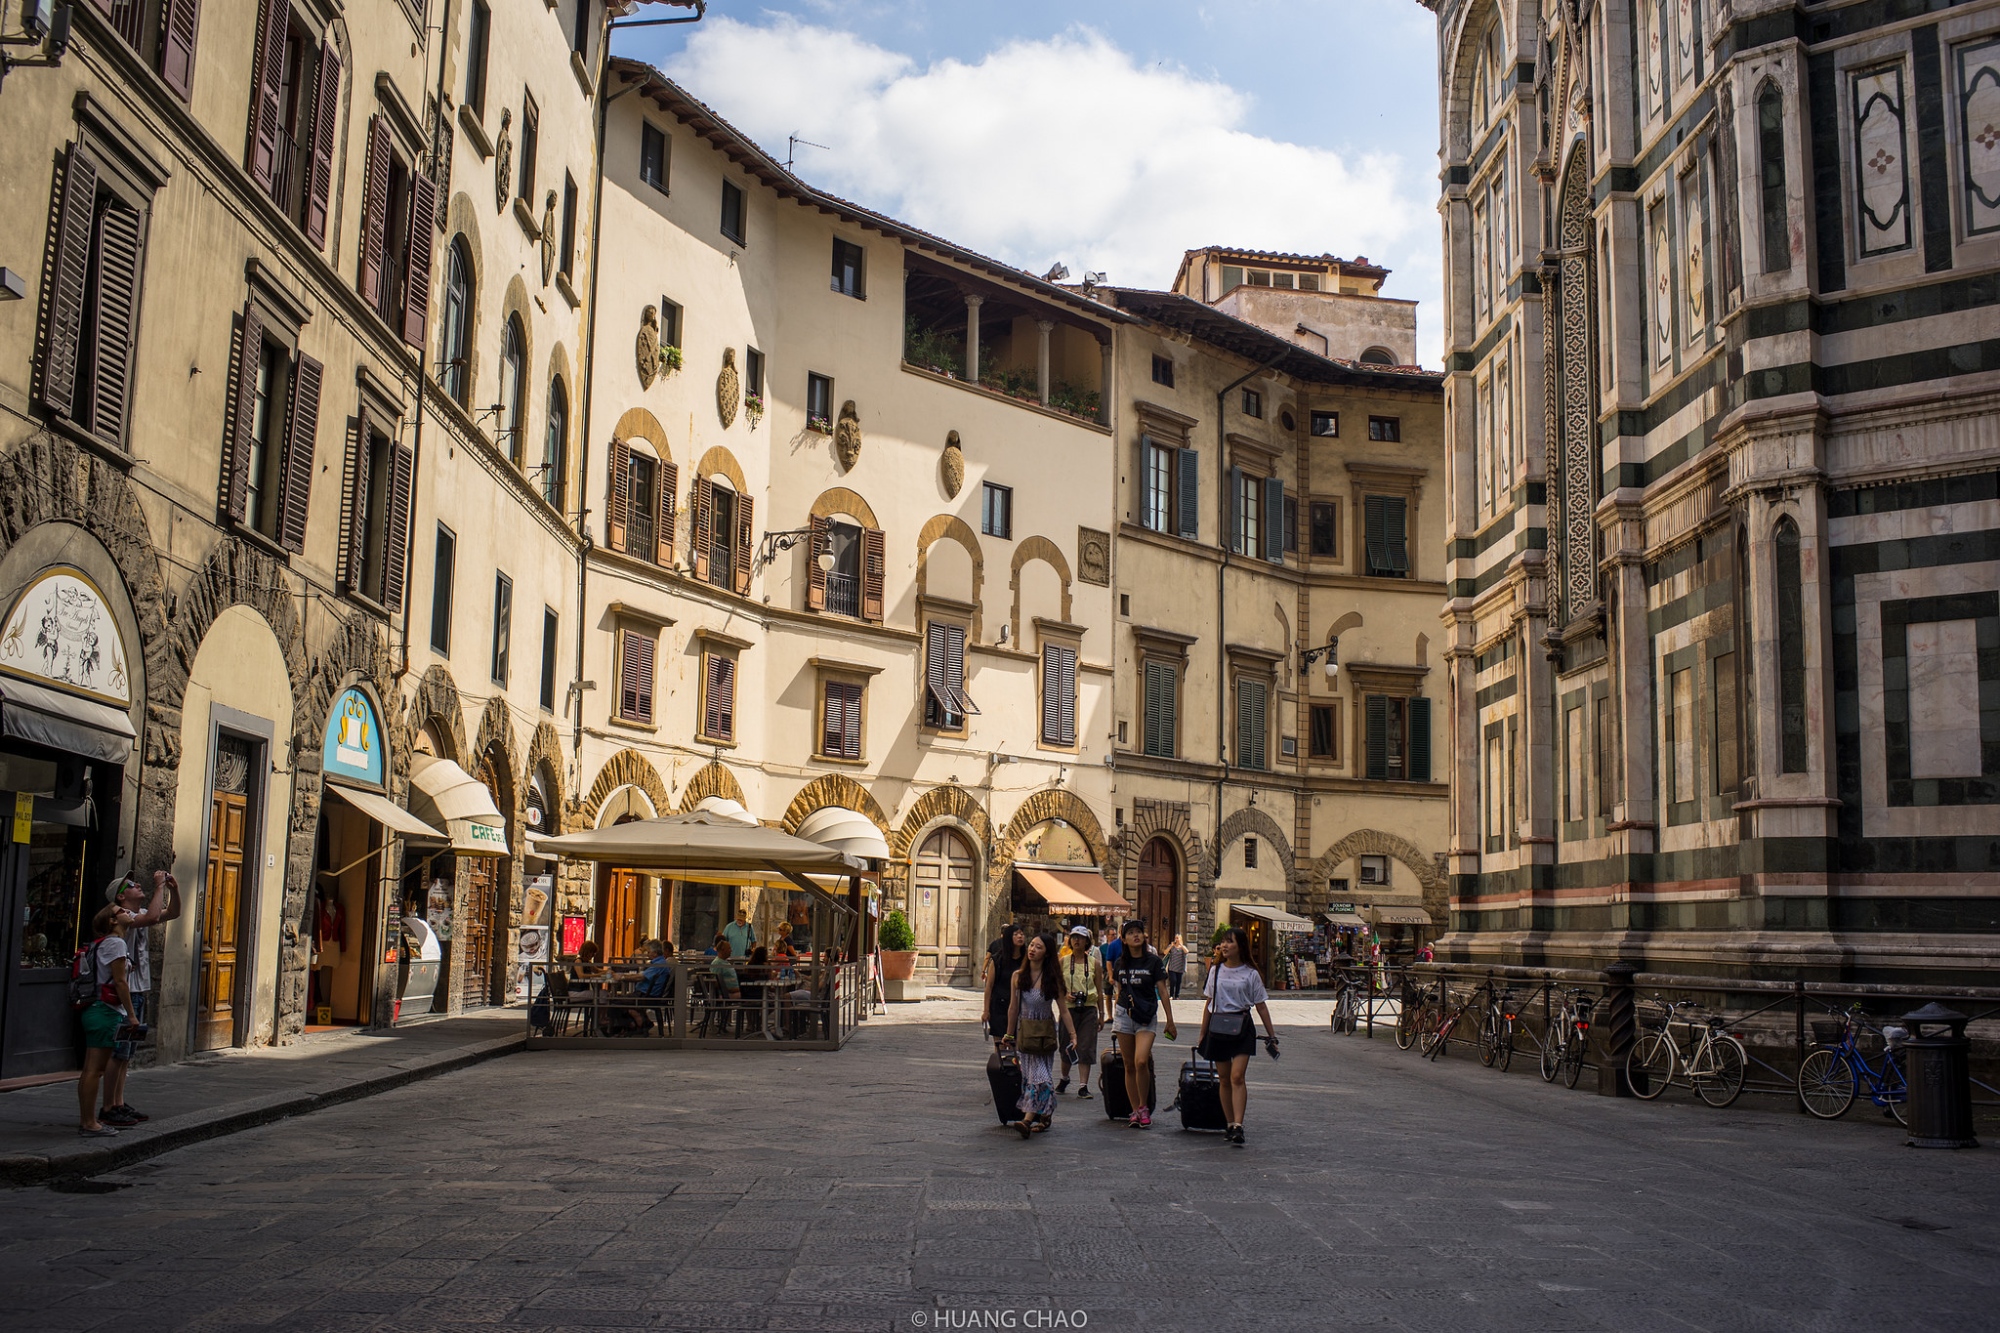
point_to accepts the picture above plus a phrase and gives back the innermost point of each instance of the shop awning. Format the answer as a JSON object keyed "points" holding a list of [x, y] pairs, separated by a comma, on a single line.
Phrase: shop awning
{"points": [[385, 812], [1348, 920], [844, 830], [43, 716], [1399, 916], [694, 843], [443, 793], [725, 808], [1074, 892], [1277, 917]]}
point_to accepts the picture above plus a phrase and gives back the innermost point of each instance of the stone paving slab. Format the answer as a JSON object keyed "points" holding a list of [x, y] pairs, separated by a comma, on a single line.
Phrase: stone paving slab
{"points": [[225, 1092]]}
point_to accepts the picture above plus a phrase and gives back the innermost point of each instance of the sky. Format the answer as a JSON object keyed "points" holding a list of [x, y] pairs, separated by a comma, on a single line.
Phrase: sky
{"points": [[1105, 135]]}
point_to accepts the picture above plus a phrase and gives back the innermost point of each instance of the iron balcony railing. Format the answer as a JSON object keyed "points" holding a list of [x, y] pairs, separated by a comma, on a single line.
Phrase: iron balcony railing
{"points": [[843, 594]]}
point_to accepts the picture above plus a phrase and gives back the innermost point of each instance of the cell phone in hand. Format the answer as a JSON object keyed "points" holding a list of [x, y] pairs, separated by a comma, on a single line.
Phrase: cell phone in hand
{"points": [[132, 1032]]}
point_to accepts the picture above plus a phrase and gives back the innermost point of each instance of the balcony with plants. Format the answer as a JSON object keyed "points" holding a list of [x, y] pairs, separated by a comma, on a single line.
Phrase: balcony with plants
{"points": [[1016, 338]]}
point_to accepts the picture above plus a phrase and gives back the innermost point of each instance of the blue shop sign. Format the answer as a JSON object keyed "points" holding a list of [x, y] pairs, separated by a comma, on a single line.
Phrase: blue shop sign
{"points": [[353, 740]]}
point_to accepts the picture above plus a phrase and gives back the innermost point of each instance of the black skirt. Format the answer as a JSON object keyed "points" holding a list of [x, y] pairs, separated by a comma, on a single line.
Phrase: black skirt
{"points": [[1223, 1049]]}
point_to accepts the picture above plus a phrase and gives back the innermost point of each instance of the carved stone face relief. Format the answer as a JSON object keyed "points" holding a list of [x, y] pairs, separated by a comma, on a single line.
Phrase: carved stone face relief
{"points": [[549, 238], [647, 351], [1093, 556], [503, 160], [728, 389], [847, 436], [951, 468]]}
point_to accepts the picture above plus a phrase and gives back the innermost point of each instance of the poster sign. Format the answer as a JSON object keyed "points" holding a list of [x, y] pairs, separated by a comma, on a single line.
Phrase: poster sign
{"points": [[534, 944], [59, 631], [353, 747], [575, 930]]}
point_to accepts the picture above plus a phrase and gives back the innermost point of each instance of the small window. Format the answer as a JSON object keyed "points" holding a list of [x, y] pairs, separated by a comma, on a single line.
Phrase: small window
{"points": [[1163, 371], [479, 37], [1308, 282], [1385, 428], [819, 403], [1290, 508], [1249, 515], [1374, 870], [579, 38], [503, 626], [753, 374], [531, 136], [847, 262], [1387, 537], [1325, 525], [1253, 403], [635, 676], [997, 510], [670, 323], [1326, 425], [550, 626], [1250, 851], [946, 703], [566, 256], [1259, 278], [1378, 356], [840, 716], [653, 157], [1321, 742], [718, 698], [1232, 278], [441, 581], [732, 212], [1282, 280]]}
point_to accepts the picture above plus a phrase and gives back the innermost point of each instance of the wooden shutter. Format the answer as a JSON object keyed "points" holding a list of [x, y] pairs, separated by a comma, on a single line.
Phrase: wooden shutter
{"points": [[1142, 482], [668, 486], [1232, 508], [1051, 703], [266, 113], [746, 537], [1291, 510], [326, 114], [850, 720], [1188, 494], [719, 699], [1418, 739], [819, 544], [1395, 513], [75, 226], [635, 677], [618, 502], [938, 698], [417, 269], [117, 299], [1161, 682], [249, 358], [301, 436], [396, 524], [954, 670], [375, 218], [1243, 752], [1374, 511], [701, 507], [179, 22], [1378, 736], [1274, 520], [357, 504], [872, 559]]}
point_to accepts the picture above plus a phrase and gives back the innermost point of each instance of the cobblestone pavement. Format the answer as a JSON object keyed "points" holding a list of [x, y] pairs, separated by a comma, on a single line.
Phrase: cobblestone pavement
{"points": [[873, 1189]]}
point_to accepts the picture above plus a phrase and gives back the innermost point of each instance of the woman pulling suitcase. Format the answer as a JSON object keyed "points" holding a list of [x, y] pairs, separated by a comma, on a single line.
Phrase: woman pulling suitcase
{"points": [[1038, 1023], [1233, 989]]}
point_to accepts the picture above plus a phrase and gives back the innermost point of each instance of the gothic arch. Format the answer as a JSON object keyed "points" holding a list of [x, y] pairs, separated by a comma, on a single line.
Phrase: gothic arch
{"points": [[639, 424], [833, 789], [627, 768], [1465, 47], [1374, 842], [953, 527], [1570, 391], [516, 302], [712, 779], [719, 461], [437, 700], [1250, 819], [840, 500]]}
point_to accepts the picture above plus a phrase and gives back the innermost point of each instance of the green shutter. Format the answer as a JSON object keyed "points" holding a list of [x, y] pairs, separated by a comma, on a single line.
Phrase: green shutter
{"points": [[1274, 520], [1420, 740], [1378, 736], [1189, 499], [1143, 482], [1395, 515], [1374, 510], [1233, 503]]}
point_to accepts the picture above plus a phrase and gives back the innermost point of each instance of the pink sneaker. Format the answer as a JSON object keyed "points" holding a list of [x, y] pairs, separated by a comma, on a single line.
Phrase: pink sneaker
{"points": [[1145, 1115], [1132, 1121]]}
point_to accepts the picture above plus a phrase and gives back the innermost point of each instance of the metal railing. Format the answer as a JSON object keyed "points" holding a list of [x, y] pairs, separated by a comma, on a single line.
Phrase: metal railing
{"points": [[809, 1006], [843, 594]]}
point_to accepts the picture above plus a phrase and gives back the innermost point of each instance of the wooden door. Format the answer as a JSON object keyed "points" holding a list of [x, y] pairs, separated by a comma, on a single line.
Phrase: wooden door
{"points": [[941, 895], [222, 920], [475, 926], [1159, 898], [619, 928]]}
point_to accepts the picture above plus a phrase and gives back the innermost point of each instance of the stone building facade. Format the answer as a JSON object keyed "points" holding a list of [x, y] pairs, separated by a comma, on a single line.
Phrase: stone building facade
{"points": [[1720, 409]]}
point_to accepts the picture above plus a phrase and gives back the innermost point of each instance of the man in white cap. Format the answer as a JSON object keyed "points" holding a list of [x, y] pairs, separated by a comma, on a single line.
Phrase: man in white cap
{"points": [[138, 914], [1083, 982]]}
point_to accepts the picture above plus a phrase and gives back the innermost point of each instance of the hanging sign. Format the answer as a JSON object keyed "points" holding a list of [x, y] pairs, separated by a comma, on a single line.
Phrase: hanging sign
{"points": [[24, 816], [353, 746], [59, 631]]}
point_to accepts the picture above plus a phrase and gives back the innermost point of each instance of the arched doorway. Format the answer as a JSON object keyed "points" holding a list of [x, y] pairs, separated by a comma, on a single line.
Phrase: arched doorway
{"points": [[1159, 882], [941, 880]]}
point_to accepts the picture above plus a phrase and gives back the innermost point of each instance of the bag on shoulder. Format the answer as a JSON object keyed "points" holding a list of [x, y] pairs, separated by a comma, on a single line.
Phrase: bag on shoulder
{"points": [[84, 988], [1226, 1024], [1037, 1036]]}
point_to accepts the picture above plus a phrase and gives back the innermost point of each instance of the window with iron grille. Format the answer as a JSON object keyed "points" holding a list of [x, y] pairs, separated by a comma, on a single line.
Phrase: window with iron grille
{"points": [[1250, 851], [843, 581]]}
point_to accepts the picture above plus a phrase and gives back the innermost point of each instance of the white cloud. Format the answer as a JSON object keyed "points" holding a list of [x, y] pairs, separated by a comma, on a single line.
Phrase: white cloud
{"points": [[1058, 149]]}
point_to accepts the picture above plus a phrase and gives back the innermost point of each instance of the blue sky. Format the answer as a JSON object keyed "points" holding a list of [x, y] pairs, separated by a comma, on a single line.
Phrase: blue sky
{"points": [[1107, 135]]}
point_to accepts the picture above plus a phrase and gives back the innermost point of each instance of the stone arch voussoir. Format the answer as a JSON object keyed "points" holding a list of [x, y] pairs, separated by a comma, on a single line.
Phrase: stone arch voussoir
{"points": [[833, 789], [627, 768], [1250, 819], [712, 779]]}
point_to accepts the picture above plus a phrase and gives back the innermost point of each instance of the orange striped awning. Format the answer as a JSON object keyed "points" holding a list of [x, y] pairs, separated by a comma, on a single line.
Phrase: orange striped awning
{"points": [[1082, 892]]}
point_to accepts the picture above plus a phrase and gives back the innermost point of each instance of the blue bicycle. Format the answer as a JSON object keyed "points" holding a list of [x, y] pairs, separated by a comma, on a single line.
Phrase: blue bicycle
{"points": [[1832, 1074]]}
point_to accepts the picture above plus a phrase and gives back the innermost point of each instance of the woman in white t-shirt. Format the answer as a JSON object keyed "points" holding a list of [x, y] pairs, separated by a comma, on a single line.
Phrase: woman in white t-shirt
{"points": [[1233, 989]]}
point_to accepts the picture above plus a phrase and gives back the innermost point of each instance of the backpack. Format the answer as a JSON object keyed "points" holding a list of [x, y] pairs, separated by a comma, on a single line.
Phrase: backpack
{"points": [[84, 988]]}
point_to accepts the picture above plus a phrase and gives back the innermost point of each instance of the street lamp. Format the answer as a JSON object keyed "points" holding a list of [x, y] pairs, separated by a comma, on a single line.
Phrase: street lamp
{"points": [[1331, 652]]}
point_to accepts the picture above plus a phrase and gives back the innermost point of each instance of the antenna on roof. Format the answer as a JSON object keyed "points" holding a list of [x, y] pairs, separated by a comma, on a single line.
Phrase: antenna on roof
{"points": [[792, 142]]}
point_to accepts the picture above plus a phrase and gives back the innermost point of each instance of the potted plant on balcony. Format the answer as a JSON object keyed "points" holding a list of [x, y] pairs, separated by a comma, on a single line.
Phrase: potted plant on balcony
{"points": [[899, 947]]}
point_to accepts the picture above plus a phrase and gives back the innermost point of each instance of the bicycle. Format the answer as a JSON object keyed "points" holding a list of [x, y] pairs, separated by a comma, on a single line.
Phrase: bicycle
{"points": [[1346, 1005], [1831, 1075], [1439, 1035], [1568, 1039], [1413, 1017], [1714, 1062], [1496, 1031]]}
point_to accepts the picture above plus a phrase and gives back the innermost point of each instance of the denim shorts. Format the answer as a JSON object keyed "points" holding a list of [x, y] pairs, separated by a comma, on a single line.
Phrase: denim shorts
{"points": [[1122, 1021], [123, 1050]]}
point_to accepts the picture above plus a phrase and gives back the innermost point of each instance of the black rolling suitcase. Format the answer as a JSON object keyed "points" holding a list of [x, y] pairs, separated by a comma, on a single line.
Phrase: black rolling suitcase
{"points": [[1004, 1073], [1201, 1097], [1111, 1086]]}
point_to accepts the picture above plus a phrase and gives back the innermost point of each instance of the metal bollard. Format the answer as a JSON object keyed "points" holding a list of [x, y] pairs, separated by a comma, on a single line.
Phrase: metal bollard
{"points": [[1938, 1067], [1613, 1032]]}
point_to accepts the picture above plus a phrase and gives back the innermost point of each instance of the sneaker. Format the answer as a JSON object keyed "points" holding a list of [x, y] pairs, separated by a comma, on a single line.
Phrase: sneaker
{"points": [[1132, 1121], [1062, 1086], [103, 1131], [1145, 1115], [128, 1109], [118, 1115], [1083, 1093]]}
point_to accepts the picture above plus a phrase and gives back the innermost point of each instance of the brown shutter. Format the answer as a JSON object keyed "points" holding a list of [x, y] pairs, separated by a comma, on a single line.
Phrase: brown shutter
{"points": [[249, 359], [117, 297], [179, 20], [265, 112], [1051, 696], [669, 487], [417, 273], [871, 574], [374, 221], [72, 267], [319, 185], [815, 576], [635, 677], [619, 501], [301, 436], [701, 501], [397, 524], [1068, 686], [746, 537], [357, 504]]}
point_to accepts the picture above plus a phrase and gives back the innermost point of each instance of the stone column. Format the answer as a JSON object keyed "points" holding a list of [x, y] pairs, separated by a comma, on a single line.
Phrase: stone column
{"points": [[1104, 384], [972, 304], [1046, 326], [1635, 815]]}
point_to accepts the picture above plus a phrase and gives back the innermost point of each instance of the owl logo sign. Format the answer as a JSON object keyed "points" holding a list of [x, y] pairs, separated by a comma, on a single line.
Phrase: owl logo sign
{"points": [[60, 631], [353, 746]]}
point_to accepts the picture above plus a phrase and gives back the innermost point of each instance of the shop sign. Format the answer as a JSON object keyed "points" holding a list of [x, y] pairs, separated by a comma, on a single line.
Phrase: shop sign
{"points": [[482, 836], [60, 631], [1340, 907], [353, 746], [534, 945], [575, 930]]}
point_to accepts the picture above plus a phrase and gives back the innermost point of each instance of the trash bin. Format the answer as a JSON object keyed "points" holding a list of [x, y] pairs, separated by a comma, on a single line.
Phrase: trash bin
{"points": [[1938, 1066]]}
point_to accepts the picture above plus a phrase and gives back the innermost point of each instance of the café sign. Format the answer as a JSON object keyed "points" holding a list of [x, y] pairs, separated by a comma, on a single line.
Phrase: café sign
{"points": [[354, 746]]}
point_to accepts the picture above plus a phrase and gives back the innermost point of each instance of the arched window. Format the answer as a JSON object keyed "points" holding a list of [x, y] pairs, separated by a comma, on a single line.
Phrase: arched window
{"points": [[1791, 649], [1771, 175], [553, 460], [1378, 356], [455, 341], [513, 387]]}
